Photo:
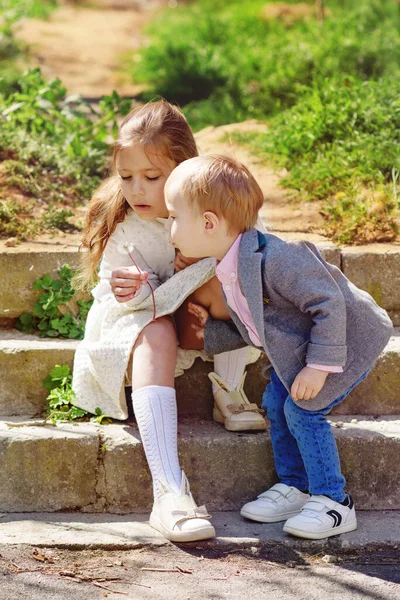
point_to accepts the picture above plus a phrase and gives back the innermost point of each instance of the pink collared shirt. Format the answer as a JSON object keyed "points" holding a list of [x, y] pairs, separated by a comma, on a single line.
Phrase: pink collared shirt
{"points": [[227, 273]]}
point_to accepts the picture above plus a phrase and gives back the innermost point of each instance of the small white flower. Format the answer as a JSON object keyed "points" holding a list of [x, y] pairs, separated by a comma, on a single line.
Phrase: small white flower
{"points": [[129, 247]]}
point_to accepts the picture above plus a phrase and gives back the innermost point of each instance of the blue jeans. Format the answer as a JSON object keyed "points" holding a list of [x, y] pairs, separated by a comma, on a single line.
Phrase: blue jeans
{"points": [[304, 447]]}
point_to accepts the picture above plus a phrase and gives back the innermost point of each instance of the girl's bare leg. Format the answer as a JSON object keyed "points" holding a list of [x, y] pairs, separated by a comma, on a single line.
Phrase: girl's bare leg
{"points": [[154, 355]]}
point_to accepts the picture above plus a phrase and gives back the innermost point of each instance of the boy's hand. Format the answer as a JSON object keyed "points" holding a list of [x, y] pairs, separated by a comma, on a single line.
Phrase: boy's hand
{"points": [[181, 262], [308, 383], [126, 281], [202, 315]]}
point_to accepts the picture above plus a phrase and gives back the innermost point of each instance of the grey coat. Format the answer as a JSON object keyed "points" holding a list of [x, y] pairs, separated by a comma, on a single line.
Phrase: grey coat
{"points": [[305, 311]]}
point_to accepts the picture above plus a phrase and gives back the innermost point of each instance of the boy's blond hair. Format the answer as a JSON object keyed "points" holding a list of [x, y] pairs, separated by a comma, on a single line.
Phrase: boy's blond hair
{"points": [[225, 187]]}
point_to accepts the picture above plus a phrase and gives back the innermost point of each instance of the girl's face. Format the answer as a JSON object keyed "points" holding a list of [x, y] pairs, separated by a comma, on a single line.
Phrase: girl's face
{"points": [[142, 178]]}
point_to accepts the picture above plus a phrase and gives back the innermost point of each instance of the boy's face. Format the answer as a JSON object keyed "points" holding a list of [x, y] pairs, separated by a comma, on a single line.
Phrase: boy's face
{"points": [[187, 225]]}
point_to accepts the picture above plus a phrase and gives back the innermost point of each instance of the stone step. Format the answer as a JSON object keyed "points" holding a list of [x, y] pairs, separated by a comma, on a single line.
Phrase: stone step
{"points": [[375, 268], [25, 360], [377, 530], [91, 468]]}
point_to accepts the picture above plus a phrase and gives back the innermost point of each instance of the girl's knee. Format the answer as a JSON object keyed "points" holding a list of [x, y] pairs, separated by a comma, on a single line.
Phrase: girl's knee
{"points": [[160, 333]]}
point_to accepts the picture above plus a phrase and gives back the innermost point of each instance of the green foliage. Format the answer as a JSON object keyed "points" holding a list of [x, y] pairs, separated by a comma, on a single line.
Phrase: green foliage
{"points": [[12, 11], [346, 129], [55, 147], [230, 60], [11, 224], [58, 219], [61, 399], [53, 315], [340, 143], [329, 92]]}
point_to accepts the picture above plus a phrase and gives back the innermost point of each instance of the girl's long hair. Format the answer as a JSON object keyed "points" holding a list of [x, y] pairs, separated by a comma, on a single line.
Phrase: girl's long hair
{"points": [[158, 125]]}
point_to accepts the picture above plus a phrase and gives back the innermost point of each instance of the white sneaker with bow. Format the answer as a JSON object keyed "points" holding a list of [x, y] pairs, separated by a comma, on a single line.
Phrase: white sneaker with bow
{"points": [[178, 517], [276, 504]]}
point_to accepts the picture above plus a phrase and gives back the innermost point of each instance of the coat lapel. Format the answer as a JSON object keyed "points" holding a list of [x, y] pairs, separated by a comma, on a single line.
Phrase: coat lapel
{"points": [[250, 277]]}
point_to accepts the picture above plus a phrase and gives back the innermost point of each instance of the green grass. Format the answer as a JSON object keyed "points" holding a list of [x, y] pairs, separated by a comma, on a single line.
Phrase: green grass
{"points": [[329, 93], [223, 60], [53, 153], [340, 143]]}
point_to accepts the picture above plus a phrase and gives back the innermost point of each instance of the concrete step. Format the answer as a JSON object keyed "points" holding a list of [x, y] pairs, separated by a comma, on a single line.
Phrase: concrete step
{"points": [[21, 266], [26, 360], [375, 268], [90, 468], [377, 530]]}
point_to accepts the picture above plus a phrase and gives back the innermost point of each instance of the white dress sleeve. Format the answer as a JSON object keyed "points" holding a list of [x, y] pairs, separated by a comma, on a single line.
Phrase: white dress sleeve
{"points": [[116, 255]]}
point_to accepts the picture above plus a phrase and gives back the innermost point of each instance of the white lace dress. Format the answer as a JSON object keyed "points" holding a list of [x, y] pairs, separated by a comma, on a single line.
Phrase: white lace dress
{"points": [[101, 360]]}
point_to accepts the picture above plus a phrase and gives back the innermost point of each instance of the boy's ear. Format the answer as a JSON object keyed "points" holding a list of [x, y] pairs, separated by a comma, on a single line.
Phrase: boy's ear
{"points": [[211, 221]]}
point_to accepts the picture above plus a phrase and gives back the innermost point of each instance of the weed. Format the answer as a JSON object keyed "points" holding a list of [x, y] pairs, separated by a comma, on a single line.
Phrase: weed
{"points": [[53, 315], [58, 219], [11, 224], [62, 400]]}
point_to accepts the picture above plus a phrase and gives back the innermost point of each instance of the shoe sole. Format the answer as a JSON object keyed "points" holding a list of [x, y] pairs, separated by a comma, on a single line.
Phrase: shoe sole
{"points": [[218, 418], [319, 535], [276, 519], [182, 536]]}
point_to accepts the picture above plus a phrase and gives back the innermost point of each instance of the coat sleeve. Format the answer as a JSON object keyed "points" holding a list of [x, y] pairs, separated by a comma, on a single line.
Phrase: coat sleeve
{"points": [[297, 272], [221, 336]]}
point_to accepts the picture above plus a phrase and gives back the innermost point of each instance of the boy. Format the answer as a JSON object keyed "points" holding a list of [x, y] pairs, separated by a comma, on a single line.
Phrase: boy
{"points": [[321, 334]]}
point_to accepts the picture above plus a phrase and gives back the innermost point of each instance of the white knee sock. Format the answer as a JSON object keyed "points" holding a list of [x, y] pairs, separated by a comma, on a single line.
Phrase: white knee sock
{"points": [[231, 366], [156, 416]]}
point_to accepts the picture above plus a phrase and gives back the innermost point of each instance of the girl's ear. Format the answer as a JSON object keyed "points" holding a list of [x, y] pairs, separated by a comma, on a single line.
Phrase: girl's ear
{"points": [[211, 222]]}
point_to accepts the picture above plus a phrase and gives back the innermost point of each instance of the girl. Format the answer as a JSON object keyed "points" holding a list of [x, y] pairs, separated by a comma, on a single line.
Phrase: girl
{"points": [[129, 209]]}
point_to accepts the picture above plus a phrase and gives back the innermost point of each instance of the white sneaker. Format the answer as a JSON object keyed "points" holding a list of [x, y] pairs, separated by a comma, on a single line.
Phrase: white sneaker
{"points": [[322, 517], [276, 504], [178, 517]]}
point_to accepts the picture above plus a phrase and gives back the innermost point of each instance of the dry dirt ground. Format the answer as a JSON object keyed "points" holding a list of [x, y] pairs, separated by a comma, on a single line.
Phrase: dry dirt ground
{"points": [[192, 572], [84, 46]]}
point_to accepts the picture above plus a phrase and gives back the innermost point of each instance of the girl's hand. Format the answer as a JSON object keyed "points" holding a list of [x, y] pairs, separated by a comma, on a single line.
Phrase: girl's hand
{"points": [[202, 315], [126, 281], [308, 383], [181, 262]]}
